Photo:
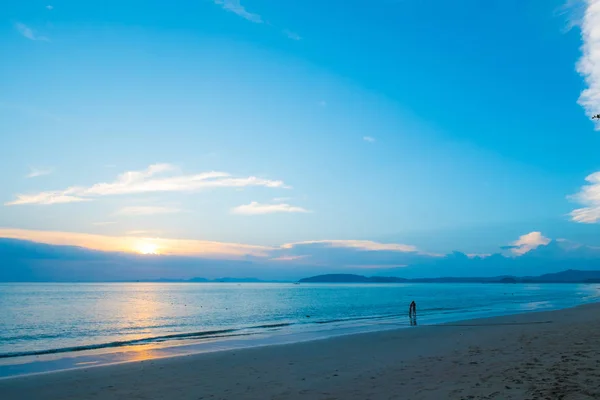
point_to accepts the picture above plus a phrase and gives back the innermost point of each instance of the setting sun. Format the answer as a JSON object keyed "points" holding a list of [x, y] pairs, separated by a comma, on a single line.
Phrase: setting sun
{"points": [[147, 248]]}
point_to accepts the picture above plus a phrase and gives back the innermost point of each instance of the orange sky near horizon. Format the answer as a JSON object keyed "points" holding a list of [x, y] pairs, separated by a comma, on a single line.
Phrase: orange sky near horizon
{"points": [[141, 245]]}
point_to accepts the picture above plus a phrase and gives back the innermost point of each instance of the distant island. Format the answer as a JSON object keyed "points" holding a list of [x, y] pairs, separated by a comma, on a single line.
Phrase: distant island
{"points": [[568, 276]]}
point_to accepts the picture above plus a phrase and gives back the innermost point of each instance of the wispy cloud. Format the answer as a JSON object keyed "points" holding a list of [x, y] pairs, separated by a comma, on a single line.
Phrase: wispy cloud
{"points": [[528, 242], [255, 208], [132, 243], [155, 178], [322, 103], [48, 198], [147, 210], [363, 251], [288, 258], [589, 197], [35, 172], [291, 35], [49, 7], [589, 63], [143, 233], [369, 139], [366, 245], [29, 33], [235, 7]]}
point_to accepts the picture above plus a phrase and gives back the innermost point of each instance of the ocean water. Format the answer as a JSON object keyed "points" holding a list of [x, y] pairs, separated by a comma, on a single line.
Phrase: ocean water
{"points": [[54, 318]]}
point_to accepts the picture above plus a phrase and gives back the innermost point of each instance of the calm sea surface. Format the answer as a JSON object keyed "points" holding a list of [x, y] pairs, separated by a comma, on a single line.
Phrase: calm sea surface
{"points": [[47, 318]]}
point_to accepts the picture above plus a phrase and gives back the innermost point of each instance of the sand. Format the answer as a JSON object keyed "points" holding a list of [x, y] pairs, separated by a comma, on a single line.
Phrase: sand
{"points": [[547, 355]]}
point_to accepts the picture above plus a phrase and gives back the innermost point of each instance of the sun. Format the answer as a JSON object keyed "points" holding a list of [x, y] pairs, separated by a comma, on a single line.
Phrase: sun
{"points": [[147, 248]]}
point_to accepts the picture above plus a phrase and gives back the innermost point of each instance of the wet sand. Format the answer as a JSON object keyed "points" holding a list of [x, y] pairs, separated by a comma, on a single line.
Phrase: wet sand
{"points": [[546, 355]]}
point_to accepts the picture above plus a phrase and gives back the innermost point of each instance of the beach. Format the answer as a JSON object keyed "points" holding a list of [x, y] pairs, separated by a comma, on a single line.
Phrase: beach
{"points": [[539, 355]]}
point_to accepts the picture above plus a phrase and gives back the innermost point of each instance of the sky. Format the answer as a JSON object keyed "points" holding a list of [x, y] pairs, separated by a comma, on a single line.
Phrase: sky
{"points": [[233, 129]]}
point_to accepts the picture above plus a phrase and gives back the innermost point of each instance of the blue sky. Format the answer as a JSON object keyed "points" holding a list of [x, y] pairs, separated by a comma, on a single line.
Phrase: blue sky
{"points": [[429, 124]]}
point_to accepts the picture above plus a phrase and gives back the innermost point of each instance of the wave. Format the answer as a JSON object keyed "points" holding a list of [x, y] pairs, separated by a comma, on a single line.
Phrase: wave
{"points": [[121, 343], [147, 340], [209, 334], [371, 317]]}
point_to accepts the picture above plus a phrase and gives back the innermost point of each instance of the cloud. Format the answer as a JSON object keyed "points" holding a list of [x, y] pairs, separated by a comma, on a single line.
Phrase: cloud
{"points": [[353, 254], [288, 258], [298, 259], [589, 63], [49, 7], [235, 7], [322, 103], [331, 253], [588, 196], [35, 172], [147, 210], [528, 242], [255, 208], [369, 139], [130, 244], [589, 67], [142, 233], [47, 198], [150, 180], [291, 35], [365, 245], [29, 33]]}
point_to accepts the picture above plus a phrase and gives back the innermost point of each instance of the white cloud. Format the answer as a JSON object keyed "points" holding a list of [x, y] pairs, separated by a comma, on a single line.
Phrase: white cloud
{"points": [[147, 210], [49, 7], [142, 233], [589, 197], [255, 208], [589, 63], [184, 247], [235, 7], [29, 33], [35, 172], [291, 35], [369, 139], [366, 245], [147, 181], [47, 198], [288, 258], [528, 242]]}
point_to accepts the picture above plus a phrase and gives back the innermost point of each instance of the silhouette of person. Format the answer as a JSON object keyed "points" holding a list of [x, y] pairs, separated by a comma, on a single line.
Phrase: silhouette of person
{"points": [[412, 313], [412, 309]]}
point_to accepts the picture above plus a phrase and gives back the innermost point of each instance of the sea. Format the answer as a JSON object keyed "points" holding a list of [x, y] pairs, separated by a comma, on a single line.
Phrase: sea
{"points": [[41, 323]]}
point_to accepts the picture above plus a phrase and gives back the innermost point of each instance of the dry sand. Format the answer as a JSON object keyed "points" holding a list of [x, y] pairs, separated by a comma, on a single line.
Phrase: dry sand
{"points": [[548, 355]]}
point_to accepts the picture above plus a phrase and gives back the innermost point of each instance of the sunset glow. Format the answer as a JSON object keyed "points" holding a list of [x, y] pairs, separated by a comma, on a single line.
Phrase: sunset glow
{"points": [[147, 248]]}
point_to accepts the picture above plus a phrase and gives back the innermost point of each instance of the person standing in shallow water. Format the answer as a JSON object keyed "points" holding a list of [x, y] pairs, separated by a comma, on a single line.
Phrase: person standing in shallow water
{"points": [[412, 313], [412, 309]]}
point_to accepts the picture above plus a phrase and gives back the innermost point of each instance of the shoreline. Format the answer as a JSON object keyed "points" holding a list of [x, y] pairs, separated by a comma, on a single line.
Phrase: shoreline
{"points": [[56, 362], [532, 355], [183, 329]]}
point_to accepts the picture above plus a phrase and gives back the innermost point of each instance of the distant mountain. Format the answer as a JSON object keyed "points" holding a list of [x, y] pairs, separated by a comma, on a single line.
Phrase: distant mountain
{"points": [[569, 276], [27, 261]]}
